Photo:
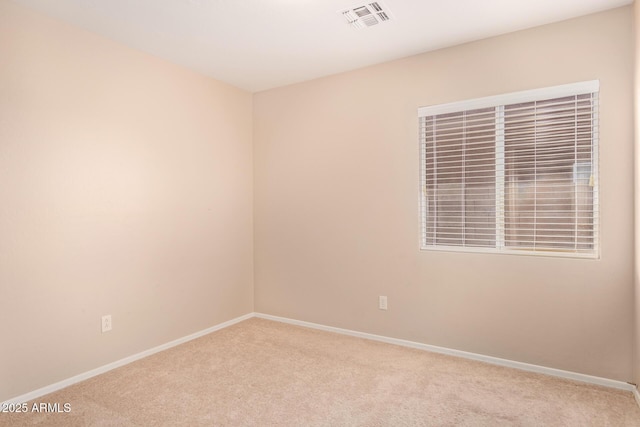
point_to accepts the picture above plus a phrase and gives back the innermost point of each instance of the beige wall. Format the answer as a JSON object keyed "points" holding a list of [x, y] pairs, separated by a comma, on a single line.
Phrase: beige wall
{"points": [[125, 189], [636, 56], [336, 206]]}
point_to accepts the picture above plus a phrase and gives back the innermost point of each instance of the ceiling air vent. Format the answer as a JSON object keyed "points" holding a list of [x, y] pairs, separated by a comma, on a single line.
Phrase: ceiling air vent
{"points": [[366, 15]]}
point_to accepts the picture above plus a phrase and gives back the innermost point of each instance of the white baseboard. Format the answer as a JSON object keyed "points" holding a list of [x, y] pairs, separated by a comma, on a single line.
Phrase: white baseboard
{"points": [[467, 355], [92, 373]]}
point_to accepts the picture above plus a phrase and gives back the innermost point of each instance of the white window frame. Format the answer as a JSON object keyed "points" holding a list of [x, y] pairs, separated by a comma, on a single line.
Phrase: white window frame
{"points": [[498, 102]]}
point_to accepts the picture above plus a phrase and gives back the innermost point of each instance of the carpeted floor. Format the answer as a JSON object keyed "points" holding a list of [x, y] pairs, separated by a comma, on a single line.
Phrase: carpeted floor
{"points": [[264, 373]]}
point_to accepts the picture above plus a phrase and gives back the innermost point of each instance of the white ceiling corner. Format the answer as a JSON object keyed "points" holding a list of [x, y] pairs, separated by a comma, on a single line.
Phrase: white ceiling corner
{"points": [[261, 44]]}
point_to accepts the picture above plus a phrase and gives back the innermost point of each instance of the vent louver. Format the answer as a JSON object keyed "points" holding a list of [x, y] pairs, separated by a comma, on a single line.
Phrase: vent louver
{"points": [[366, 15]]}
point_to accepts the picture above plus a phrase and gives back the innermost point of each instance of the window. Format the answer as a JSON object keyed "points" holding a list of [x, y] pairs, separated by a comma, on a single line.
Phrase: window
{"points": [[515, 173]]}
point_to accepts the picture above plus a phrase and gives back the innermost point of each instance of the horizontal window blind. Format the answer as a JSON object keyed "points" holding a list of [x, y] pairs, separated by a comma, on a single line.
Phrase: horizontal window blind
{"points": [[513, 176]]}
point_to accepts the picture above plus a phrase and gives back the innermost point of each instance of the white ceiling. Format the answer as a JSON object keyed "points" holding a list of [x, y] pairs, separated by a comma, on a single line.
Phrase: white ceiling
{"points": [[261, 44]]}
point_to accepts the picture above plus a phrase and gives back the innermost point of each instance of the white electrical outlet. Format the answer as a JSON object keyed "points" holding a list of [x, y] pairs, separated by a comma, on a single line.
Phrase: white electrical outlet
{"points": [[106, 323], [382, 302]]}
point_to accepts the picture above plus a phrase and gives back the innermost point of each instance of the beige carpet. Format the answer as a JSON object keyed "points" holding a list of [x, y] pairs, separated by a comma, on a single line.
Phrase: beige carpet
{"points": [[265, 373]]}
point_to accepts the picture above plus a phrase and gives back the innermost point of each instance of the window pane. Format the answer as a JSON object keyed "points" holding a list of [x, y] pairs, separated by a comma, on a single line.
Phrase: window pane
{"points": [[548, 162], [460, 178]]}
